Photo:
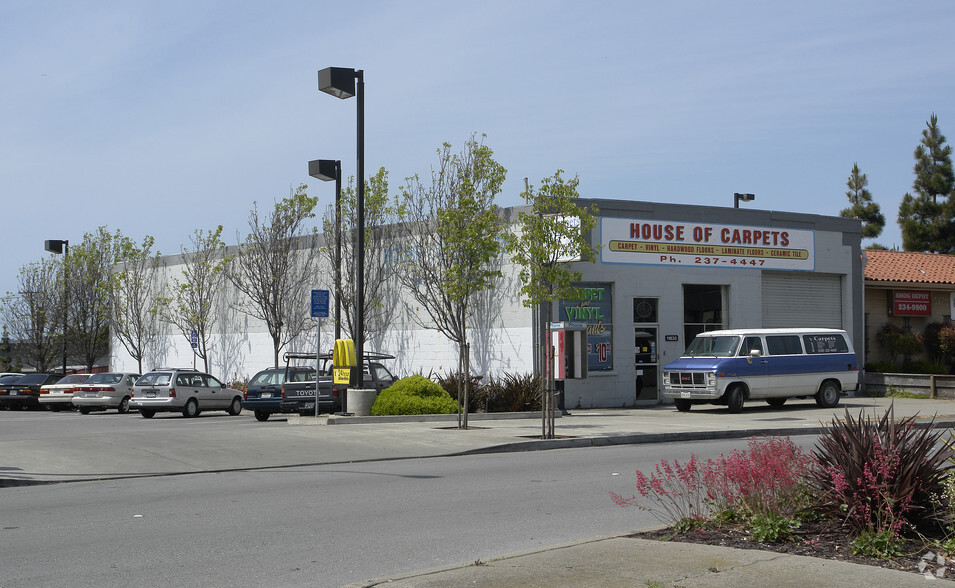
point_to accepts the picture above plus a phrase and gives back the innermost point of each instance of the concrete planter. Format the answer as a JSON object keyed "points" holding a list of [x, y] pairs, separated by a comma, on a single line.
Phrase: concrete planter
{"points": [[928, 385], [360, 400]]}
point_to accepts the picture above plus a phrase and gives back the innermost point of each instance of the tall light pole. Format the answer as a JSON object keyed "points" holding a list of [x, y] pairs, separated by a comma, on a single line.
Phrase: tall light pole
{"points": [[62, 246], [328, 170], [341, 83], [737, 197]]}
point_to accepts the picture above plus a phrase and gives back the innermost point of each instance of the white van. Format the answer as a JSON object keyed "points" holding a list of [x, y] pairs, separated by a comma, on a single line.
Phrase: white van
{"points": [[733, 366]]}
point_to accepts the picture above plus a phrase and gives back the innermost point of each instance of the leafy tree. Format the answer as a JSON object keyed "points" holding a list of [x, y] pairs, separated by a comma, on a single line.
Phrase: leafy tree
{"points": [[89, 284], [381, 214], [34, 315], [8, 360], [195, 298], [453, 233], [554, 233], [274, 268], [136, 298], [861, 205], [927, 224]]}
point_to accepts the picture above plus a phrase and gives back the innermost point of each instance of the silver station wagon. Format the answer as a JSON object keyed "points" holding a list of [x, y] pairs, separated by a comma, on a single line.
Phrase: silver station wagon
{"points": [[182, 390]]}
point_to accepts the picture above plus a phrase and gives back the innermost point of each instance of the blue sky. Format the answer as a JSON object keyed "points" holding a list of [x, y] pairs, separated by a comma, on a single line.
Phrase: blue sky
{"points": [[164, 117]]}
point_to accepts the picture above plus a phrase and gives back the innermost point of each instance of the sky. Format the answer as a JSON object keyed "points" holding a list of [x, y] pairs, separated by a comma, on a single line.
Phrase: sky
{"points": [[163, 117]]}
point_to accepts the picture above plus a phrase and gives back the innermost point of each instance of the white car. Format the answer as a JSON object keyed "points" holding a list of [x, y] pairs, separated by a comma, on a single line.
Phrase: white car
{"points": [[103, 391], [58, 396]]}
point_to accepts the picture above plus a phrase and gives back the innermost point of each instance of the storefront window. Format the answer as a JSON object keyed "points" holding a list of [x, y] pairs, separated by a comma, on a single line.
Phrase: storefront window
{"points": [[593, 307], [702, 309]]}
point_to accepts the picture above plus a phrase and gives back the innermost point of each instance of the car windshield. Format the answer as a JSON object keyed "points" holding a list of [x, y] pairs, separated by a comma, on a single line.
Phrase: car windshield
{"points": [[154, 379], [9, 379], [33, 379], [105, 379], [302, 376], [720, 346]]}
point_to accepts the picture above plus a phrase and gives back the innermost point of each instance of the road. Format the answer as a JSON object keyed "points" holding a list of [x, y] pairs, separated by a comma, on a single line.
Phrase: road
{"points": [[319, 525]]}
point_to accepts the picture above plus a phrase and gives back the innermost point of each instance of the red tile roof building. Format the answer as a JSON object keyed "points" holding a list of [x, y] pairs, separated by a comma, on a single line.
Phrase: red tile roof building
{"points": [[893, 279]]}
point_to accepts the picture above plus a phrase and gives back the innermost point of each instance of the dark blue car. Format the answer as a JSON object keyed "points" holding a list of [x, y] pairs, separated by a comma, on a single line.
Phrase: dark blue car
{"points": [[264, 393]]}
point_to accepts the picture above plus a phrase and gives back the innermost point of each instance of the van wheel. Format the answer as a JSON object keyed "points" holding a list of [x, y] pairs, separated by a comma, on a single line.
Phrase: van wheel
{"points": [[734, 399], [236, 407], [683, 405], [191, 408], [828, 395], [123, 407], [262, 416], [84, 410], [776, 402], [146, 413]]}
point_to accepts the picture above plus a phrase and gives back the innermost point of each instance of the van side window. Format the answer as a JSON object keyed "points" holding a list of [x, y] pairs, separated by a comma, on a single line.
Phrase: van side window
{"points": [[825, 344], [783, 344], [750, 343]]}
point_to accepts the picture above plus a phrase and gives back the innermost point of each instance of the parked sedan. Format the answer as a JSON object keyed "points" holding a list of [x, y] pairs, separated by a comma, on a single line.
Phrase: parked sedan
{"points": [[58, 396], [185, 390], [6, 382], [26, 390], [103, 391]]}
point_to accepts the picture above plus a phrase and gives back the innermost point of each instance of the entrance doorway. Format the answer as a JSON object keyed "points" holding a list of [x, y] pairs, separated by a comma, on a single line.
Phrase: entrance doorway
{"points": [[645, 345]]}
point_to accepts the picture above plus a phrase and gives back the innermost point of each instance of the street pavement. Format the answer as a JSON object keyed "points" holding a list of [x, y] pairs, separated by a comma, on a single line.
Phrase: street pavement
{"points": [[128, 446]]}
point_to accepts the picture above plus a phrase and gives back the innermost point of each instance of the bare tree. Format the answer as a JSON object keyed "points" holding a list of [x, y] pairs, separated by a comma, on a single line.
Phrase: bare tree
{"points": [[33, 316], [89, 283], [193, 304], [380, 218], [275, 267], [454, 235], [136, 298]]}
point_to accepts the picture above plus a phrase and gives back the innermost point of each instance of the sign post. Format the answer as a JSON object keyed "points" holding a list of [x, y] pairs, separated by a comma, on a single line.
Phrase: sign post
{"points": [[194, 343], [319, 311]]}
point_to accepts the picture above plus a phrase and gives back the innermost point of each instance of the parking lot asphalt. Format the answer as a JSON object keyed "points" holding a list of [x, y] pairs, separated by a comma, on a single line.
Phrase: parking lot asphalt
{"points": [[63, 447]]}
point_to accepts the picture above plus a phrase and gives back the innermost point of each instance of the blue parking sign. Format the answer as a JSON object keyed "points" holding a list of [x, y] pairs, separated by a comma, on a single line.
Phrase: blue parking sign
{"points": [[320, 303]]}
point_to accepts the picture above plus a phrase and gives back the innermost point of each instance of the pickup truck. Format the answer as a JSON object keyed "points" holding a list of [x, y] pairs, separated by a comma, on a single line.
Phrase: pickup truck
{"points": [[300, 396]]}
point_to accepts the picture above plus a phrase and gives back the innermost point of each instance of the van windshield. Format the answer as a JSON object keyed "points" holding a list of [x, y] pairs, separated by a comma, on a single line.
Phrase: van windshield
{"points": [[723, 346]]}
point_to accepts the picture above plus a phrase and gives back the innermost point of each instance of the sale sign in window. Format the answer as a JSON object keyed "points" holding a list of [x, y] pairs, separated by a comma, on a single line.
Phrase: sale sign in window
{"points": [[911, 302]]}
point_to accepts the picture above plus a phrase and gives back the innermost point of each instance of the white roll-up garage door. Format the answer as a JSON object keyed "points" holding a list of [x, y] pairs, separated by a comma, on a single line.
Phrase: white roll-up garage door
{"points": [[796, 299]]}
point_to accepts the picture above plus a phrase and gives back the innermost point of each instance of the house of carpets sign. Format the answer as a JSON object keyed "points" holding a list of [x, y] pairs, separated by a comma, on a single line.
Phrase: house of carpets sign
{"points": [[655, 242], [594, 307]]}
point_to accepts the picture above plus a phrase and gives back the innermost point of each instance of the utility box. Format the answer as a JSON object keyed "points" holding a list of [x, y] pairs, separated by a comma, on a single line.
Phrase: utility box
{"points": [[569, 345]]}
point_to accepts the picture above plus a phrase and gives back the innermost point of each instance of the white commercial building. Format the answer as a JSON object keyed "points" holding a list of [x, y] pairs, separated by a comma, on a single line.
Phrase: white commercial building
{"points": [[664, 272]]}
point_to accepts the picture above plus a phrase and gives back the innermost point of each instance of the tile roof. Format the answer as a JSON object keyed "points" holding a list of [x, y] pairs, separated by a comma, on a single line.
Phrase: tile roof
{"points": [[909, 266]]}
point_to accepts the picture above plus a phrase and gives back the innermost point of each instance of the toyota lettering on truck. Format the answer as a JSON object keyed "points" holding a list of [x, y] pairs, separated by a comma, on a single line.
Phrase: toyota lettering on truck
{"points": [[731, 367]]}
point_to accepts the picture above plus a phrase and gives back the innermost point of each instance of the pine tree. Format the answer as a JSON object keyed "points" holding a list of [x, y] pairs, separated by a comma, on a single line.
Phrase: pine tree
{"points": [[926, 222], [861, 205]]}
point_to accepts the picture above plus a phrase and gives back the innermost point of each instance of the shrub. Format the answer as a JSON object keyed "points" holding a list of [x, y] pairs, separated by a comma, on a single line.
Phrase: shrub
{"points": [[764, 485], [477, 398], [877, 475], [897, 342], [414, 395], [513, 393]]}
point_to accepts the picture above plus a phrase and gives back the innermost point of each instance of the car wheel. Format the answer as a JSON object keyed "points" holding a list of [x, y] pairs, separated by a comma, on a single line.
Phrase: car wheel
{"points": [[236, 407], [828, 395], [191, 408], [53, 407], [776, 402], [261, 415], [84, 410], [683, 405], [123, 407], [146, 413], [734, 399]]}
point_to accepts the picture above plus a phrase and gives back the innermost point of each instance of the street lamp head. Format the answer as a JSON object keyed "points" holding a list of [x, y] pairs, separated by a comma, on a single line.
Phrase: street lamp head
{"points": [[337, 81], [325, 169], [738, 197], [55, 245]]}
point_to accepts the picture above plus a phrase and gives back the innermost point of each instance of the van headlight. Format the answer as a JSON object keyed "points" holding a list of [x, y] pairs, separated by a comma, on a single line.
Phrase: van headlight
{"points": [[710, 379]]}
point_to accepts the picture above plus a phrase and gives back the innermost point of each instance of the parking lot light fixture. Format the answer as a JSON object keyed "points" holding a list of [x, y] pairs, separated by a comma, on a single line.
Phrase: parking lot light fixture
{"points": [[738, 197], [61, 246], [328, 170], [343, 83]]}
